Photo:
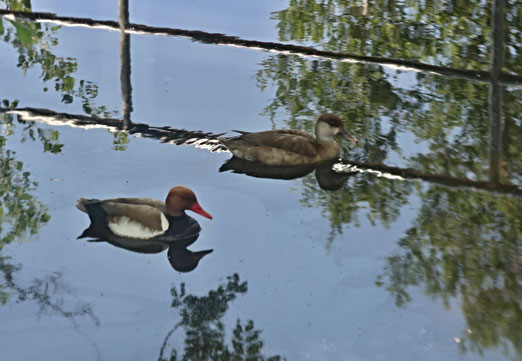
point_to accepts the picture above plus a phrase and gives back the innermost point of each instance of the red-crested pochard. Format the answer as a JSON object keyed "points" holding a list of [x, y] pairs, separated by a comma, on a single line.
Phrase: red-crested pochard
{"points": [[290, 146], [141, 218], [148, 225]]}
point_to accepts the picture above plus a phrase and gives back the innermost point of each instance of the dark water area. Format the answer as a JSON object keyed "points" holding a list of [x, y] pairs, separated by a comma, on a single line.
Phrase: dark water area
{"points": [[408, 247]]}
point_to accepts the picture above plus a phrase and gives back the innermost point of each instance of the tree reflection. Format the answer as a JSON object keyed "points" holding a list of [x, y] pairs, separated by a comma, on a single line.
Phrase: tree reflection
{"points": [[9, 122], [51, 295], [21, 216], [381, 199], [201, 318], [48, 292], [439, 32], [20, 212], [377, 111], [468, 246], [464, 244], [447, 116], [34, 44], [372, 109]]}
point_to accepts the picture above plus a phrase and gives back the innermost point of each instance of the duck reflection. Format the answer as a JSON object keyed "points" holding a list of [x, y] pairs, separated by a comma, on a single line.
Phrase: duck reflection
{"points": [[147, 225], [326, 176]]}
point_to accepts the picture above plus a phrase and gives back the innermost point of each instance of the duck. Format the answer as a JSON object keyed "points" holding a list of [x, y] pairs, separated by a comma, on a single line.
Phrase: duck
{"points": [[290, 146], [148, 225]]}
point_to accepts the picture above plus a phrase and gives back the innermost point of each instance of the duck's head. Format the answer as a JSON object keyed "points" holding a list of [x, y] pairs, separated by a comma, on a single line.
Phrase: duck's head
{"points": [[182, 198], [329, 125]]}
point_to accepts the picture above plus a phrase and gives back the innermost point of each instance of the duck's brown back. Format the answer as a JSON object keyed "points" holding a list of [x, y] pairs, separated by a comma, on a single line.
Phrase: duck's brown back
{"points": [[278, 147]]}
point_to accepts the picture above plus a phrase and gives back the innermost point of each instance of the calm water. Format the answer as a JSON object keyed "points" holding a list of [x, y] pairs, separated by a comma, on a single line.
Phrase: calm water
{"points": [[409, 248]]}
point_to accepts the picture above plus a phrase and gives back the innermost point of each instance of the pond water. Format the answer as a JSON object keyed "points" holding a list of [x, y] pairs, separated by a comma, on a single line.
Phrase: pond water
{"points": [[408, 248]]}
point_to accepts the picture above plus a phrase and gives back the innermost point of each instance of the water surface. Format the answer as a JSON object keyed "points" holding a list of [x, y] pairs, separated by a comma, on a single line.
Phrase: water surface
{"points": [[409, 247]]}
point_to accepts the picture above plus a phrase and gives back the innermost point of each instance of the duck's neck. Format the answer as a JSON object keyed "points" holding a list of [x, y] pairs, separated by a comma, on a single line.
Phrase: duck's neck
{"points": [[323, 133], [177, 212]]}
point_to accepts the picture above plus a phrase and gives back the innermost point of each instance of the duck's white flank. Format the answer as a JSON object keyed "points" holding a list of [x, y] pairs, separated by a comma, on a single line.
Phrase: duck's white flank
{"points": [[126, 227]]}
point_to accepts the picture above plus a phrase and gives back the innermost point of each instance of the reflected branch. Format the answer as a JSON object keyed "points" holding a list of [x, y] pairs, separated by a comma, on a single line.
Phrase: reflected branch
{"points": [[42, 291], [166, 340], [209, 141], [382, 170], [222, 39], [164, 134]]}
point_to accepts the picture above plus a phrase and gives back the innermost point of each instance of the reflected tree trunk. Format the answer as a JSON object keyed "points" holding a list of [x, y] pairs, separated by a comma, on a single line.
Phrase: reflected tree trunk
{"points": [[365, 8], [495, 91], [125, 63]]}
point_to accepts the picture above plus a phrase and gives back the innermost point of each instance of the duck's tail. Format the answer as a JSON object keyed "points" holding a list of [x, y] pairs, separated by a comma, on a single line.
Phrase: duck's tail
{"points": [[81, 202], [242, 132], [224, 140]]}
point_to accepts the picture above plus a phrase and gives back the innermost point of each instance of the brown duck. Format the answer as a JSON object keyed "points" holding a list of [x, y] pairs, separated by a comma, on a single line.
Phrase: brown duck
{"points": [[290, 146]]}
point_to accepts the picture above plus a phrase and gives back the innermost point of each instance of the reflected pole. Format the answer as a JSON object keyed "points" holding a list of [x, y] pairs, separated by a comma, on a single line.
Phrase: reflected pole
{"points": [[495, 90], [125, 63]]}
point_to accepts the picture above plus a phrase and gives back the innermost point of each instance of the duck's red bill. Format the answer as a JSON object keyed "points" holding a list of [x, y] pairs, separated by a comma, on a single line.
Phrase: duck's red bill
{"points": [[196, 208]]}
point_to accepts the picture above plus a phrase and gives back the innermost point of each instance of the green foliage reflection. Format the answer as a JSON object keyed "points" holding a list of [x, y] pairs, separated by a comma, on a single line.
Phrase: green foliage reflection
{"points": [[120, 140], [449, 33], [34, 44], [20, 212], [466, 245], [376, 110], [201, 318], [448, 117], [380, 199]]}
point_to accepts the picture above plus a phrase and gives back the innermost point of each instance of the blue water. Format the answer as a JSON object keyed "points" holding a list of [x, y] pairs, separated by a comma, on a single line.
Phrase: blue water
{"points": [[318, 263]]}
